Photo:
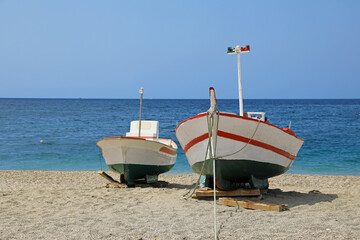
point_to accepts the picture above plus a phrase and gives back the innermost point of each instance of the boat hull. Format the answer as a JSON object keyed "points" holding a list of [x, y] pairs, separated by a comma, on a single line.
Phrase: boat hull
{"points": [[247, 149], [139, 171], [137, 158]]}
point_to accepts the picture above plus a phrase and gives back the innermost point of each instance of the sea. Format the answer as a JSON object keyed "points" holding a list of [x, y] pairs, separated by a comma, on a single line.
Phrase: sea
{"points": [[61, 134]]}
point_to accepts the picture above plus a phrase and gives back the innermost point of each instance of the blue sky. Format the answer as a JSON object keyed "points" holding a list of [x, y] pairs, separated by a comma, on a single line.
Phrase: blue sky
{"points": [[177, 49]]}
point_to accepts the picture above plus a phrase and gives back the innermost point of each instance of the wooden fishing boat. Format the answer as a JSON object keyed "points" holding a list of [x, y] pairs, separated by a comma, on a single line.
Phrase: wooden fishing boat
{"points": [[140, 154], [245, 148]]}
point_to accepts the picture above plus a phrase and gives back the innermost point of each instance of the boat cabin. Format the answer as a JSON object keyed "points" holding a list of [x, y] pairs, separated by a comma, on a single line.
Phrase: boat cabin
{"points": [[148, 129]]}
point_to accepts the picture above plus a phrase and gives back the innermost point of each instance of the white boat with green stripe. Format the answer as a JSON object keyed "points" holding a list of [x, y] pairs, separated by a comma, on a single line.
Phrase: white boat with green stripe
{"points": [[141, 154], [142, 157]]}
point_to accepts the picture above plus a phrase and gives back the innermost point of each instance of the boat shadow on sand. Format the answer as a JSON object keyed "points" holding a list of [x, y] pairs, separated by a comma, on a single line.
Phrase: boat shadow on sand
{"points": [[290, 198], [181, 186], [162, 184], [293, 198]]}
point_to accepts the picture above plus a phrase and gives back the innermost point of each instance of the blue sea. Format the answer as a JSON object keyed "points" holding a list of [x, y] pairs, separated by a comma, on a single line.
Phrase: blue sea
{"points": [[61, 134]]}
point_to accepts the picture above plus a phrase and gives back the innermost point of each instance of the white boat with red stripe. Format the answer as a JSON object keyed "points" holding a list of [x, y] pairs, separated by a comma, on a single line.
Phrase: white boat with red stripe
{"points": [[246, 147]]}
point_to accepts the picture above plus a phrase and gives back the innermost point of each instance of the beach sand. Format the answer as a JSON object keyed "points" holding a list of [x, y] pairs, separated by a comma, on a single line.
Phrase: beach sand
{"points": [[73, 205]]}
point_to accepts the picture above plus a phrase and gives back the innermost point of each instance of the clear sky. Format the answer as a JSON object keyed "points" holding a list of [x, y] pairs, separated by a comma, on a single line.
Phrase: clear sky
{"points": [[177, 49]]}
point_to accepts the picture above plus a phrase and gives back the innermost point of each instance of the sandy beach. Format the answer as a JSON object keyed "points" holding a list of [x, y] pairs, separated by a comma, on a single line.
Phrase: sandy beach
{"points": [[73, 205]]}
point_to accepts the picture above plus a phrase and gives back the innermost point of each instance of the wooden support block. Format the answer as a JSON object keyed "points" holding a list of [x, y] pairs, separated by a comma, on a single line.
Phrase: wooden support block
{"points": [[254, 198], [234, 193], [253, 205]]}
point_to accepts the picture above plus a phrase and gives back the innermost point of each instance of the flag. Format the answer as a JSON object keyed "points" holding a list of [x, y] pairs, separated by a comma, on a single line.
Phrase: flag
{"points": [[245, 49]]}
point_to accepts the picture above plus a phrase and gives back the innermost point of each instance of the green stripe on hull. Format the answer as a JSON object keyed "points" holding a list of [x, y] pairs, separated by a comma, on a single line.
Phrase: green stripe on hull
{"points": [[239, 171], [139, 171]]}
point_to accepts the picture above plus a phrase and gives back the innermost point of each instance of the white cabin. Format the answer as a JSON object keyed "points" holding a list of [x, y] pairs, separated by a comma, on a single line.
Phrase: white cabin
{"points": [[148, 129]]}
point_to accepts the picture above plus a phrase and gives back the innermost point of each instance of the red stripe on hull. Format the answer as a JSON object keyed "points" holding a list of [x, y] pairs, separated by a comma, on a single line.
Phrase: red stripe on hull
{"points": [[167, 150], [194, 117], [256, 143], [240, 139], [195, 141]]}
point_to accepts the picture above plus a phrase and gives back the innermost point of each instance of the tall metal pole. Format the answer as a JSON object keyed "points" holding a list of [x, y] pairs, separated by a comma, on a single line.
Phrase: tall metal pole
{"points": [[241, 109], [238, 50], [141, 91]]}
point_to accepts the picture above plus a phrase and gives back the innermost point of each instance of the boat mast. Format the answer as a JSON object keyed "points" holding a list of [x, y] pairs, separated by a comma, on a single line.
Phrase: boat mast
{"points": [[241, 104], [141, 91], [237, 50]]}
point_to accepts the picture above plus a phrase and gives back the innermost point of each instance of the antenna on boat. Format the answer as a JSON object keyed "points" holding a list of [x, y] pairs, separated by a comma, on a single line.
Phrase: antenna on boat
{"points": [[141, 91], [237, 50]]}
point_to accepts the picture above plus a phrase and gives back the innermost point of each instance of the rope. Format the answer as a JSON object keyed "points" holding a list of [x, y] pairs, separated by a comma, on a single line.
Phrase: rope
{"points": [[252, 137], [189, 193], [222, 225], [219, 157], [212, 155]]}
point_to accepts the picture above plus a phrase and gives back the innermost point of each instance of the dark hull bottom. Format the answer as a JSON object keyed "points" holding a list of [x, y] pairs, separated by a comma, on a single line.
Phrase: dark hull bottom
{"points": [[232, 174], [131, 172]]}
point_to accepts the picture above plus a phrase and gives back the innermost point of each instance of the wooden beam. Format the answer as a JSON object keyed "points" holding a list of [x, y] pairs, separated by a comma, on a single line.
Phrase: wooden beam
{"points": [[253, 205], [234, 193], [113, 183]]}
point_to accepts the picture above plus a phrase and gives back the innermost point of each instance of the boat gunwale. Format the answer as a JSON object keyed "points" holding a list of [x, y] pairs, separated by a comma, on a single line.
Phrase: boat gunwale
{"points": [[145, 139], [236, 116]]}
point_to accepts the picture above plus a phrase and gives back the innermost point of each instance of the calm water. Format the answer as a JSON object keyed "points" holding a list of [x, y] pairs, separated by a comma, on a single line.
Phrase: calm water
{"points": [[70, 128]]}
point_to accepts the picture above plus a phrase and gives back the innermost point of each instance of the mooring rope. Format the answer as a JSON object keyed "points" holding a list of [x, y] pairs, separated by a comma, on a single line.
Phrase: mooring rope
{"points": [[209, 118], [222, 225], [211, 151], [187, 195]]}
